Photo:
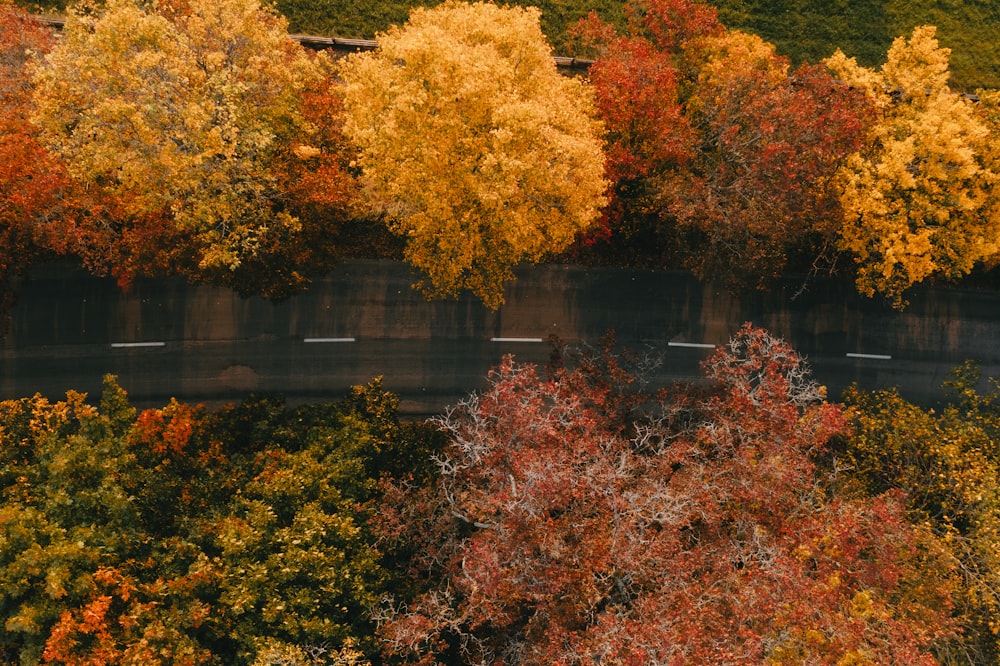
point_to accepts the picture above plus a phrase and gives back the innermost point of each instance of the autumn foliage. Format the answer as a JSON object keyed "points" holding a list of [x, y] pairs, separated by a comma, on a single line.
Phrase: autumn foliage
{"points": [[190, 117], [31, 182], [572, 524], [564, 516], [716, 143], [947, 462], [919, 196], [180, 536], [477, 150], [196, 138]]}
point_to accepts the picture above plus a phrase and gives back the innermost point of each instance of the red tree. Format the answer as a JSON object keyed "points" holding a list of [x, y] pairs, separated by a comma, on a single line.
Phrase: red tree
{"points": [[568, 529], [715, 141]]}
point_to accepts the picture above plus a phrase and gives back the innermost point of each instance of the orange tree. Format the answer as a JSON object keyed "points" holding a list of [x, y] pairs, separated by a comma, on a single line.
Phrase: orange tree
{"points": [[32, 183], [479, 153]]}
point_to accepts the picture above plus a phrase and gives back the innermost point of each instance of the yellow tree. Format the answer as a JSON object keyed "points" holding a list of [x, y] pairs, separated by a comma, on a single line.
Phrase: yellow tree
{"points": [[987, 106], [917, 197], [188, 113], [474, 146]]}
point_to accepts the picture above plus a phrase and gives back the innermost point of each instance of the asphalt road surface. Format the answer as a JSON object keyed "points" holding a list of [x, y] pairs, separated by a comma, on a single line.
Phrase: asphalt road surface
{"points": [[165, 338]]}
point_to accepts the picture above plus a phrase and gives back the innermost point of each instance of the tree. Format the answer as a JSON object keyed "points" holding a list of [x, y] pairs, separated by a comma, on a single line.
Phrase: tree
{"points": [[637, 94], [318, 190], [182, 536], [479, 152], [770, 143], [717, 144], [575, 523], [31, 181], [190, 115], [85, 579], [947, 462], [918, 197]]}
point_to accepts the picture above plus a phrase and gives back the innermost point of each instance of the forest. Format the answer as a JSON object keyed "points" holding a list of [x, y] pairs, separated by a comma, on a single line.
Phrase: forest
{"points": [[566, 514]]}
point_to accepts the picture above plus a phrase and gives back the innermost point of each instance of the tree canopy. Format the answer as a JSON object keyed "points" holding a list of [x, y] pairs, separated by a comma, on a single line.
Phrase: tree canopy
{"points": [[32, 183], [182, 536], [574, 524], [477, 150], [189, 115], [716, 144], [918, 197], [178, 138], [947, 463], [563, 515]]}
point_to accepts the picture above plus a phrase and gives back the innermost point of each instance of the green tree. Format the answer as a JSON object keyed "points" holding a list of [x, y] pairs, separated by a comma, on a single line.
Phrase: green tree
{"points": [[297, 561], [478, 151]]}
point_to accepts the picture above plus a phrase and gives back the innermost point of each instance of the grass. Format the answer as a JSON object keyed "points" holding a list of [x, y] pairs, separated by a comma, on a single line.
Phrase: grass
{"points": [[804, 30]]}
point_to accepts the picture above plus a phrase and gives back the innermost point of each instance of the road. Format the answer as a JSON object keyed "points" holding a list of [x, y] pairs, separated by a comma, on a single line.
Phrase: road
{"points": [[166, 338]]}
